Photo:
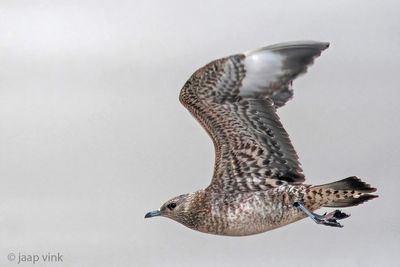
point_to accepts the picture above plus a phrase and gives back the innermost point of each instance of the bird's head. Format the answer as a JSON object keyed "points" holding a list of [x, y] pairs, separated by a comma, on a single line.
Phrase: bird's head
{"points": [[183, 209]]}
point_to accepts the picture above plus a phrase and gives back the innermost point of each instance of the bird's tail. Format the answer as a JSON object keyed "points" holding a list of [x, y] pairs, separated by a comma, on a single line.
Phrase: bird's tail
{"points": [[348, 192]]}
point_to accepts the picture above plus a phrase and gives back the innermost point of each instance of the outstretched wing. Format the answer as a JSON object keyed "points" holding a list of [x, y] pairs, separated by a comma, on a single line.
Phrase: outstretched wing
{"points": [[235, 99]]}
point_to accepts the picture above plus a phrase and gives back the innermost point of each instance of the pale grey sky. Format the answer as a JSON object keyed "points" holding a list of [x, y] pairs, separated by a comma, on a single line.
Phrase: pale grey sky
{"points": [[92, 134]]}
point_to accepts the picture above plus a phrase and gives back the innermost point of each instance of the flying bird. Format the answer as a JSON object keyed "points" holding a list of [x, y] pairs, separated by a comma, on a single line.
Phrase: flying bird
{"points": [[258, 184]]}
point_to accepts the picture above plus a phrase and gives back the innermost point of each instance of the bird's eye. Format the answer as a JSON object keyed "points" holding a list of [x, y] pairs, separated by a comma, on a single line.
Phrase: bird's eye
{"points": [[171, 206]]}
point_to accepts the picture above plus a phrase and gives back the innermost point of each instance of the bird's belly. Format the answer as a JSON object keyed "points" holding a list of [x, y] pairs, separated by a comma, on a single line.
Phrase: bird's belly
{"points": [[259, 213]]}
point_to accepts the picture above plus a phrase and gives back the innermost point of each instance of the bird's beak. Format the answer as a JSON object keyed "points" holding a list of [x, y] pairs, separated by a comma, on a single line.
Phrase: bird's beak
{"points": [[152, 214]]}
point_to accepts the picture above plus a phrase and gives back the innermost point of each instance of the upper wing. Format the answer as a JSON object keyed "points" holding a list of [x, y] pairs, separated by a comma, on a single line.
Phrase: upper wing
{"points": [[234, 99]]}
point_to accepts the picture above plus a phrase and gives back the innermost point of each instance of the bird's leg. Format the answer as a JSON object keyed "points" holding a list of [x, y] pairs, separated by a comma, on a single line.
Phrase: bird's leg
{"points": [[325, 219]]}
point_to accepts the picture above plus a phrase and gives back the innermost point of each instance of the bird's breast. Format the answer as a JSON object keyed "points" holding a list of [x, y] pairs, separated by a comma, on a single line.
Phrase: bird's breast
{"points": [[253, 212]]}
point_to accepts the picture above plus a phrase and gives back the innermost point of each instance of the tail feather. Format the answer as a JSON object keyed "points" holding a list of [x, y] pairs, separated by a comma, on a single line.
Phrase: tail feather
{"points": [[349, 202], [348, 192], [351, 183]]}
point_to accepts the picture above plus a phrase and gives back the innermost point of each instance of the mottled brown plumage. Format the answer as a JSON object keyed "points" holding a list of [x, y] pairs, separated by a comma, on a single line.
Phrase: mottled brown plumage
{"points": [[257, 176]]}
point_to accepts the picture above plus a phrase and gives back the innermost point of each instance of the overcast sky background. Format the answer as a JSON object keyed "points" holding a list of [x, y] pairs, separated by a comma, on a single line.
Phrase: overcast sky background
{"points": [[92, 134]]}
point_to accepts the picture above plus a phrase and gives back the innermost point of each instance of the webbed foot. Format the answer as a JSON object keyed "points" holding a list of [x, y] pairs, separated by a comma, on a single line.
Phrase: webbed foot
{"points": [[329, 219]]}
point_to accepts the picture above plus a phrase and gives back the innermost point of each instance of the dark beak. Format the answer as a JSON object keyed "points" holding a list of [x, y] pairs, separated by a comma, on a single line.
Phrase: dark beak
{"points": [[153, 213]]}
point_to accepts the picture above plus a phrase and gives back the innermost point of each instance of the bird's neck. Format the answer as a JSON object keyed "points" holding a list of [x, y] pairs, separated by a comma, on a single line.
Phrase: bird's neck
{"points": [[196, 209]]}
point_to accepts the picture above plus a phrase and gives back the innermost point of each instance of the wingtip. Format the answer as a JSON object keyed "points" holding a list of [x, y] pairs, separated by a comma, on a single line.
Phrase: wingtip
{"points": [[325, 45], [320, 46], [304, 43]]}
